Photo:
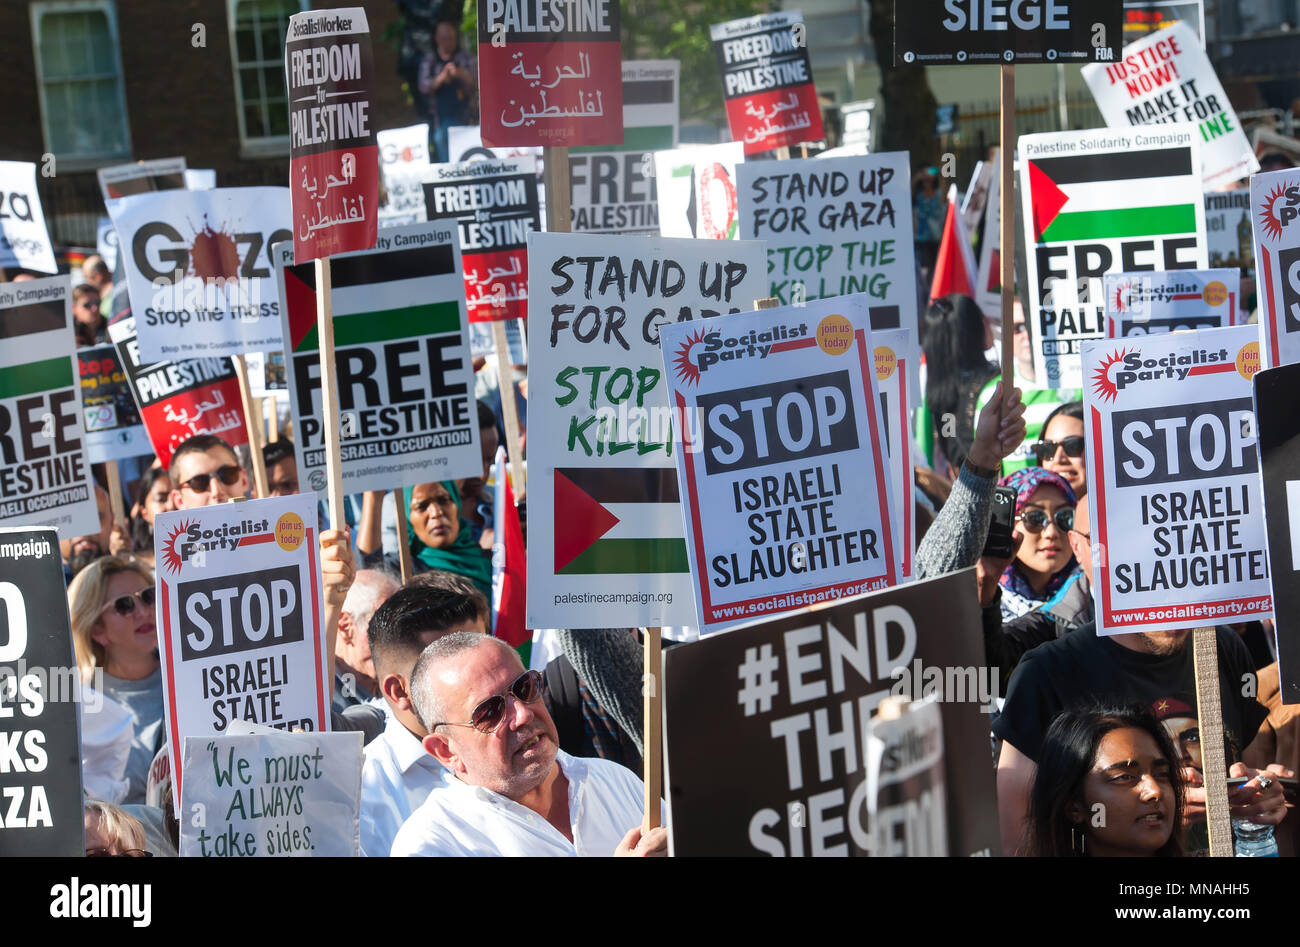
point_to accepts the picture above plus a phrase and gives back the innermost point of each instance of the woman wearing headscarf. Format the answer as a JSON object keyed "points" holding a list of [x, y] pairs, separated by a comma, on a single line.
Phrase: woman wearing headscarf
{"points": [[1043, 561]]}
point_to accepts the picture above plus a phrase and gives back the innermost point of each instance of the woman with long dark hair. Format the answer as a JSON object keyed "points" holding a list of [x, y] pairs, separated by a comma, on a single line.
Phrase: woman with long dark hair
{"points": [[1108, 784], [152, 496], [954, 335]]}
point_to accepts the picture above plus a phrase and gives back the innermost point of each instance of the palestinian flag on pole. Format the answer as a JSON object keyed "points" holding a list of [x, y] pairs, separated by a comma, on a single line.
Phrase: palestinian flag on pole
{"points": [[613, 521]]}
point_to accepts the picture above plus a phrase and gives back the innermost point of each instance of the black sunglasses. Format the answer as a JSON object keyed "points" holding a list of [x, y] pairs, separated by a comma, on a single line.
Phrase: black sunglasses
{"points": [[488, 716], [125, 604], [129, 853], [1035, 520], [1073, 447], [228, 474]]}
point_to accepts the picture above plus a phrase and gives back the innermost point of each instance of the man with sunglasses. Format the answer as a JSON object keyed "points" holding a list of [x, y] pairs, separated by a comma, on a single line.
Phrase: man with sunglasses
{"points": [[512, 791], [204, 471]]}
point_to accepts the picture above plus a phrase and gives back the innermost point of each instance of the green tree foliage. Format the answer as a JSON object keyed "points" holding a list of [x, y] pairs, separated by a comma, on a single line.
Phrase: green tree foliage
{"points": [[905, 91]]}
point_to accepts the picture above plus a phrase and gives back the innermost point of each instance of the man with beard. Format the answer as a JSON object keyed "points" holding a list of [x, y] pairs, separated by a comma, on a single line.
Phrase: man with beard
{"points": [[513, 791], [83, 550]]}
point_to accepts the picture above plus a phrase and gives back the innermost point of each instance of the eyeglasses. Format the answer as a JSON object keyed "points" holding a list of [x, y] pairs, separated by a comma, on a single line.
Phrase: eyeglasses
{"points": [[488, 716], [125, 604], [1073, 447], [1035, 520], [229, 474], [108, 853], [1079, 532]]}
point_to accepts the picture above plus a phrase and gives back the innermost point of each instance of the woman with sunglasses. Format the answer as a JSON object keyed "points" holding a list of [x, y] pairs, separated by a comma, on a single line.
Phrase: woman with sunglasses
{"points": [[1043, 561], [112, 832], [112, 607], [1061, 448]]}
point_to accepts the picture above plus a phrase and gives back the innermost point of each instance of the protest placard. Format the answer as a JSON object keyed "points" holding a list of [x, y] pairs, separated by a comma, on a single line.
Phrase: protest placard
{"points": [[272, 794], [1166, 78], [784, 478], [1277, 392], [482, 344], [939, 32], [45, 475], [988, 276], [406, 382], [776, 764], [140, 177], [465, 143], [199, 269], [1173, 483], [1098, 202], [1170, 301], [240, 633], [894, 351], [613, 189], [106, 242], [403, 158], [610, 531], [550, 74], [266, 373], [181, 398], [39, 687], [1275, 198], [200, 179], [1229, 235], [494, 204], [835, 227], [333, 158], [904, 762], [767, 81], [1143, 17], [113, 426], [855, 119], [24, 241], [697, 191]]}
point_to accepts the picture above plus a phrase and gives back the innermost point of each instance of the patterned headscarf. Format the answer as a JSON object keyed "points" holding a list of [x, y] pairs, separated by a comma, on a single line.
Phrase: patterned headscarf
{"points": [[1025, 481]]}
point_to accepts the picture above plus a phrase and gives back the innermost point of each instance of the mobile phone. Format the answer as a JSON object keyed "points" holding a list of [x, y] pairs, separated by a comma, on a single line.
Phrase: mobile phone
{"points": [[998, 544], [1236, 782]]}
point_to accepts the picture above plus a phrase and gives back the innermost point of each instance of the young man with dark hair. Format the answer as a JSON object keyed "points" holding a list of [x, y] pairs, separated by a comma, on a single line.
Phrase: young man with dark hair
{"points": [[281, 468], [204, 470], [398, 774]]}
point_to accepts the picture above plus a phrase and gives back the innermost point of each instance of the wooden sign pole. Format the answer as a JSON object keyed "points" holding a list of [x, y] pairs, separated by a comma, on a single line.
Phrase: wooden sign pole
{"points": [[253, 424], [403, 539], [1007, 224], [1209, 714], [329, 388], [272, 408], [509, 410], [116, 504], [652, 728]]}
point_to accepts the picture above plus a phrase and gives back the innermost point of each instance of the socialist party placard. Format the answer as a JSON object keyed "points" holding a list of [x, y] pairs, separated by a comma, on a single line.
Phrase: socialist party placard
{"points": [[494, 204], [113, 426], [550, 73], [1100, 202], [697, 191], [606, 548], [402, 360], [766, 729], [1171, 301], [178, 399], [893, 352], [39, 690], [160, 174], [940, 32], [333, 157], [1275, 203], [1164, 78], [767, 81], [784, 479], [1173, 480], [198, 267], [45, 477], [241, 635], [24, 241]]}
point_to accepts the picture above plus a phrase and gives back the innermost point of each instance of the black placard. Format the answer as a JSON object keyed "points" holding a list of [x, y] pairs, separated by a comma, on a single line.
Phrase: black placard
{"points": [[973, 32]]}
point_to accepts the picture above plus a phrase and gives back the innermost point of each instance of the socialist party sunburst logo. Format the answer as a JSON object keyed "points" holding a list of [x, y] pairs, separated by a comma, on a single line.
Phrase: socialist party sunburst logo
{"points": [[1281, 206], [173, 556], [1104, 384]]}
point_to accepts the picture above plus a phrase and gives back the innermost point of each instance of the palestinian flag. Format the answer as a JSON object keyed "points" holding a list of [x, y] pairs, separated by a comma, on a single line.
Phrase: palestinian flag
{"points": [[509, 564], [1118, 195], [618, 521]]}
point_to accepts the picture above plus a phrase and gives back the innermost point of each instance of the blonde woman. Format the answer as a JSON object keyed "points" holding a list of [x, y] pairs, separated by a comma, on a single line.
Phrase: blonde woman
{"points": [[112, 833], [113, 629]]}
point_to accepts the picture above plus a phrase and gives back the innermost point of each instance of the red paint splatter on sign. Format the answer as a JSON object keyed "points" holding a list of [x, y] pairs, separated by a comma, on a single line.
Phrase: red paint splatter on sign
{"points": [[214, 254]]}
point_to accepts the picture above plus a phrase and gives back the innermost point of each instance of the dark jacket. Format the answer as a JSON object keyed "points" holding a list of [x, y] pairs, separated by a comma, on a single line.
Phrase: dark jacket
{"points": [[1005, 644]]}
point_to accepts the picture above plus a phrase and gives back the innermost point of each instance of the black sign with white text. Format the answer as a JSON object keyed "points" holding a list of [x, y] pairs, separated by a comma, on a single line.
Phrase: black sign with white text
{"points": [[939, 32]]}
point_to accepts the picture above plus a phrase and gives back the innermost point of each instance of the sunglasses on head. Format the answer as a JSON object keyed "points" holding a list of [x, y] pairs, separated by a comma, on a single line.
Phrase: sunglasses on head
{"points": [[229, 474], [1035, 520], [1073, 447], [107, 853], [488, 716], [125, 604]]}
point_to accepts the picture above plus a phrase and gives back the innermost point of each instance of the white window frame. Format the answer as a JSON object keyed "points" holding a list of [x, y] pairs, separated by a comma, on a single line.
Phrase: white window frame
{"points": [[38, 11], [262, 146]]}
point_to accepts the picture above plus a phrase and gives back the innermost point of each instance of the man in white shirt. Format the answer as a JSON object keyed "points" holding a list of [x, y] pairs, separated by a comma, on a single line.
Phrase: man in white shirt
{"points": [[512, 790], [398, 774]]}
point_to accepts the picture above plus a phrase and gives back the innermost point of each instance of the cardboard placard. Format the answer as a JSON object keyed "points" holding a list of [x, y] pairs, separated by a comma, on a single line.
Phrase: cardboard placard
{"points": [[24, 241], [39, 690], [401, 349], [45, 477], [979, 32], [765, 726], [895, 351], [272, 794], [113, 426], [550, 74], [783, 472], [1143, 17], [199, 269], [697, 191], [767, 81], [1167, 77], [1099, 202], [333, 157], [403, 159], [1228, 231], [1171, 301], [906, 796], [1173, 481], [141, 177], [241, 635], [1275, 199], [606, 544], [495, 207]]}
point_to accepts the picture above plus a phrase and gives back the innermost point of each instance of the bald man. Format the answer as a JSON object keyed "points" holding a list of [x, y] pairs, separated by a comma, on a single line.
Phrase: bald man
{"points": [[354, 668]]}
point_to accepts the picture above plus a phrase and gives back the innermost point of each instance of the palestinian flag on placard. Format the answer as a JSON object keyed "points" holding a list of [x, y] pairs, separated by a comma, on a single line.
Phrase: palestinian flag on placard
{"points": [[649, 114], [509, 563], [361, 286], [618, 521], [1113, 196]]}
